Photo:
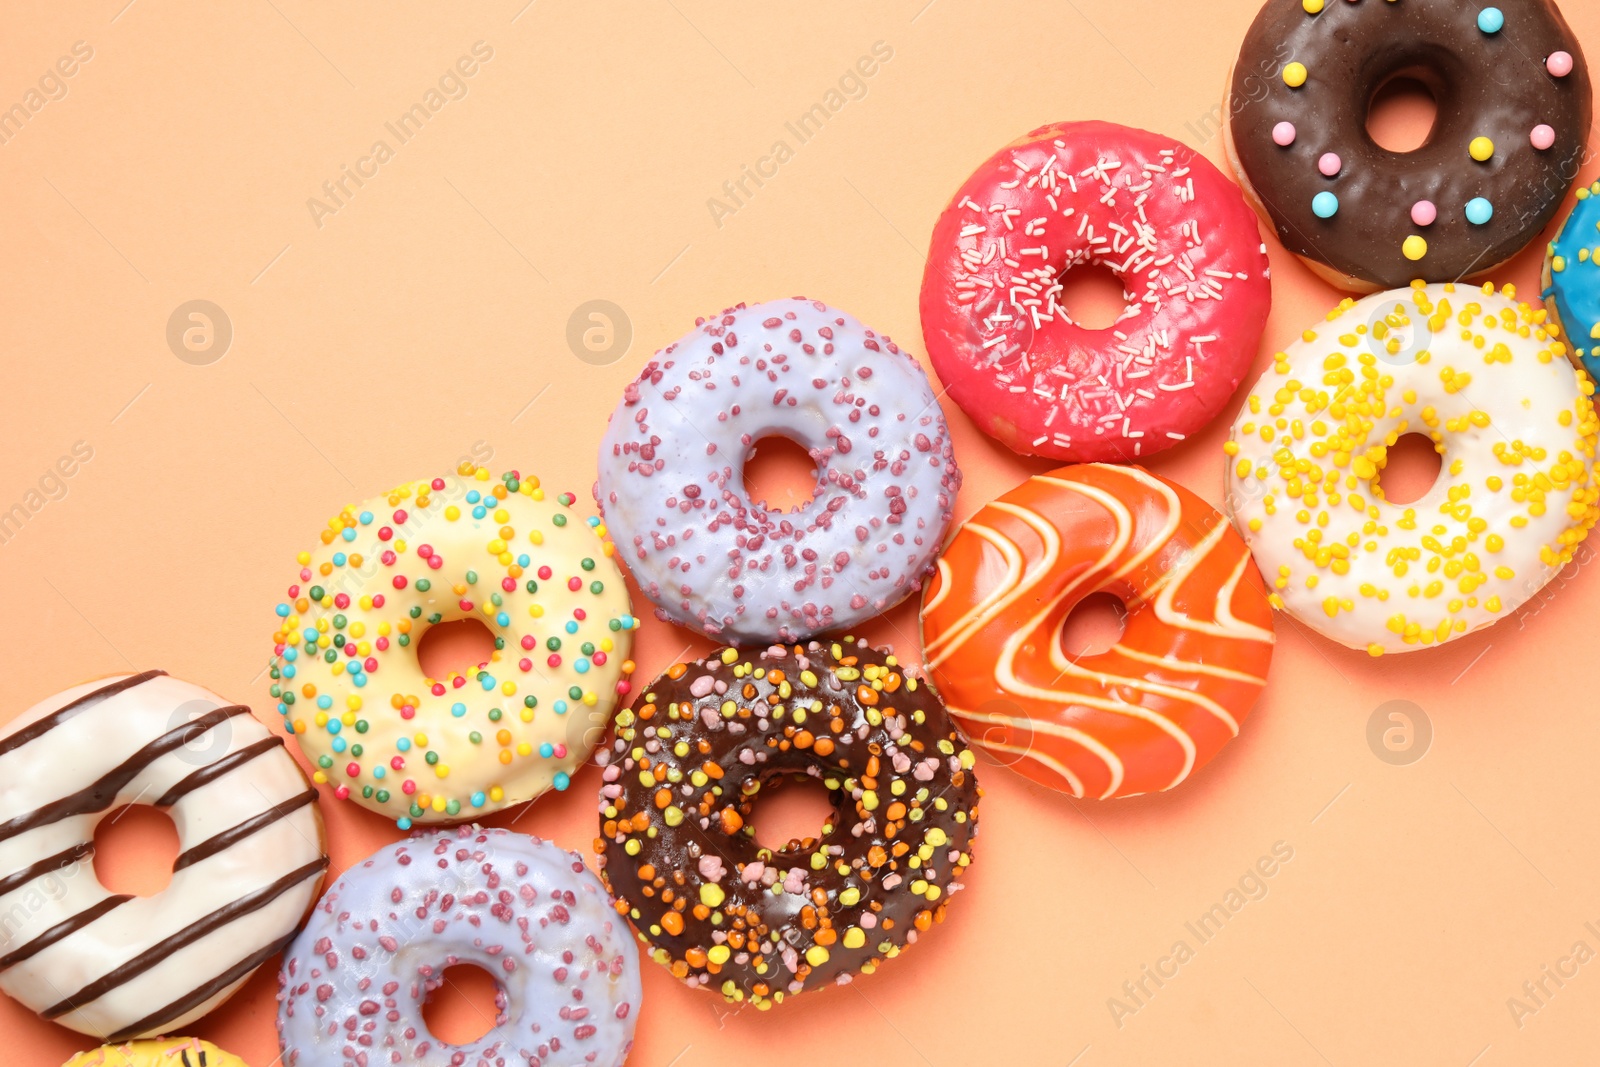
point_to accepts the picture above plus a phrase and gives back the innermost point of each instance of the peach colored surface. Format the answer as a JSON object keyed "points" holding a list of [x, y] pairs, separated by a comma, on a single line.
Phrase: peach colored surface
{"points": [[423, 317]]}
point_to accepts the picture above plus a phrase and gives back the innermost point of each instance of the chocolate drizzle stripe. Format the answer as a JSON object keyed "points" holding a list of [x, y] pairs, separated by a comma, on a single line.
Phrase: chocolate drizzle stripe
{"points": [[234, 834], [212, 771], [158, 952], [45, 866], [67, 711], [62, 929], [158, 1019], [103, 793]]}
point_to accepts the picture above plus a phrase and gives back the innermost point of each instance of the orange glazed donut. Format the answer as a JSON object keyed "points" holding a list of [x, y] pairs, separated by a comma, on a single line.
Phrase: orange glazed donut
{"points": [[1146, 713]]}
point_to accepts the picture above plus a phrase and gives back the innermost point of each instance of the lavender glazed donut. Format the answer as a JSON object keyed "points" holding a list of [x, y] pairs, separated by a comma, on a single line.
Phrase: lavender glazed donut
{"points": [[671, 482], [530, 913]]}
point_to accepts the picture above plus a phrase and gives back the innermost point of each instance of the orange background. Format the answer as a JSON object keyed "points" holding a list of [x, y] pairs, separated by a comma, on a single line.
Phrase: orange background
{"points": [[428, 317]]}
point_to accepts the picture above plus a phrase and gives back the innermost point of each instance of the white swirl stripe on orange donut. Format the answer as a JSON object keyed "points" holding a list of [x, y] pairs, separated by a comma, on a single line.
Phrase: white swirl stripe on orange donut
{"points": [[1156, 706], [250, 861], [1486, 380]]}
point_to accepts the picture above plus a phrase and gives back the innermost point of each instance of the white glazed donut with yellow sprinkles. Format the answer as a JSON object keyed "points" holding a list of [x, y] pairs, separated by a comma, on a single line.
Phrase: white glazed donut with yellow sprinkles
{"points": [[1485, 378], [538, 574]]}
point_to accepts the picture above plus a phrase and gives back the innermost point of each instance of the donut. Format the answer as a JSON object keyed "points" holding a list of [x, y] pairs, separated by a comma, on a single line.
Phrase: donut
{"points": [[671, 482], [354, 982], [1485, 378], [1513, 99], [345, 673], [166, 1052], [1572, 280], [249, 865], [1157, 705], [679, 845], [1153, 211]]}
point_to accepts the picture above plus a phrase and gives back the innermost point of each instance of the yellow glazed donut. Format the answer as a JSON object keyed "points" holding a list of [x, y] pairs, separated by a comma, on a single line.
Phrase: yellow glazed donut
{"points": [[162, 1052], [1486, 379], [345, 673]]}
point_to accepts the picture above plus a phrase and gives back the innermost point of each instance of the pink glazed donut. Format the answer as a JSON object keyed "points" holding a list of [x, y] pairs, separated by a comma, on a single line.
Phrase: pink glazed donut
{"points": [[1169, 225], [530, 913], [671, 482]]}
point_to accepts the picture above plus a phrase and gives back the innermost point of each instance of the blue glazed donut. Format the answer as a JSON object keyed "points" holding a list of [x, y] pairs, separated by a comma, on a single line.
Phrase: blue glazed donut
{"points": [[671, 480], [530, 913], [1572, 280]]}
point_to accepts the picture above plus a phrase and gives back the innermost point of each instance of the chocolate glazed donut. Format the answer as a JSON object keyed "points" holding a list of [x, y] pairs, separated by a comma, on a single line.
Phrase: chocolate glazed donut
{"points": [[678, 847], [1514, 104]]}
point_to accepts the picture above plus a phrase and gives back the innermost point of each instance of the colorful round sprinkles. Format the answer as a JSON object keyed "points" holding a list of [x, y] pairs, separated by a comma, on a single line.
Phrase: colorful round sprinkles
{"points": [[1282, 128], [348, 682]]}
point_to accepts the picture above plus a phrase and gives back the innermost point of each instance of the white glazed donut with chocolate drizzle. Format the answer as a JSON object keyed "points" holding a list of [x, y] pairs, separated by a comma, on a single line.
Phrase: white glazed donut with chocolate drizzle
{"points": [[250, 863]]}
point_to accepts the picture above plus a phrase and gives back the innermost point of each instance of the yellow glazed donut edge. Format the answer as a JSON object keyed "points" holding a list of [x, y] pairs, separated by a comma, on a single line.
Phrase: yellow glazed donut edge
{"points": [[1488, 380], [538, 574], [160, 1052]]}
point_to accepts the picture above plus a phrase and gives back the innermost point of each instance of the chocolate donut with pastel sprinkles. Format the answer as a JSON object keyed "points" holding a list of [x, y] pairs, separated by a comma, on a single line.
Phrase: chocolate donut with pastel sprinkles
{"points": [[1514, 106], [1482, 376], [671, 479], [1157, 214], [345, 673], [353, 985], [679, 845], [1572, 280], [251, 854]]}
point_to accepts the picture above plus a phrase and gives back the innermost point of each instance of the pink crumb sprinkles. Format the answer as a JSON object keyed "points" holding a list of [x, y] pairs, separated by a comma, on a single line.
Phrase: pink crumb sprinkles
{"points": [[354, 981], [672, 490]]}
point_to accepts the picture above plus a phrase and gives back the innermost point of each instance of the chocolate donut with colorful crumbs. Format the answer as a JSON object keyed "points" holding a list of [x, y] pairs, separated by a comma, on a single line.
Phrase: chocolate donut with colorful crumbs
{"points": [[536, 573], [679, 847]]}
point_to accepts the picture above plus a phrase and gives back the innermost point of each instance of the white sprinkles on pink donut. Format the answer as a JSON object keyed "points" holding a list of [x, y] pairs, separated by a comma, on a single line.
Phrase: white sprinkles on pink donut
{"points": [[1158, 215]]}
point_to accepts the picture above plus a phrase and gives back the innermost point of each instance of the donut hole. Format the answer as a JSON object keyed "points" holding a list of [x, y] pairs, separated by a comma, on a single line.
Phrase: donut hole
{"points": [[464, 1006], [780, 475], [1402, 113], [134, 849], [794, 811], [1410, 468], [1094, 625], [1093, 296], [447, 648]]}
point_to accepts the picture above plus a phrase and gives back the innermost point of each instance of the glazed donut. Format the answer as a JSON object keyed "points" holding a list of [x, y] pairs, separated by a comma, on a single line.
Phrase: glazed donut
{"points": [[1165, 221], [1156, 706], [354, 982], [1513, 118], [165, 1052], [679, 846], [537, 573], [1483, 377], [249, 865], [1572, 280], [671, 478]]}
